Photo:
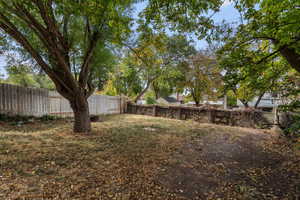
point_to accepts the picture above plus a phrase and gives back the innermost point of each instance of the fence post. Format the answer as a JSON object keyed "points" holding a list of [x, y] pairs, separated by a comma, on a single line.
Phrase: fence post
{"points": [[211, 116], [125, 104], [179, 113], [154, 110], [121, 104]]}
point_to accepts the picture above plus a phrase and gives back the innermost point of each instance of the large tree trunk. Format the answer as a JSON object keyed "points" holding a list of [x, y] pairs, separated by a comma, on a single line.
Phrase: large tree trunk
{"points": [[290, 54], [292, 57], [80, 108]]}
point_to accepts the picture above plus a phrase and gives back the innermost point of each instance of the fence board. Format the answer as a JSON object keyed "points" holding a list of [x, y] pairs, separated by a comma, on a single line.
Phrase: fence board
{"points": [[98, 104], [16, 100]]}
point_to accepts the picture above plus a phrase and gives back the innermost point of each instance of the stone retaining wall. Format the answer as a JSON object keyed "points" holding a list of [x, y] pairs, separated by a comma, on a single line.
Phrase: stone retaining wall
{"points": [[242, 118]]}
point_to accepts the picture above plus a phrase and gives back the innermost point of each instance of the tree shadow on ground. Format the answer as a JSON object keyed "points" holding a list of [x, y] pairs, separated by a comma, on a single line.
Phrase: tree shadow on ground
{"points": [[226, 166]]}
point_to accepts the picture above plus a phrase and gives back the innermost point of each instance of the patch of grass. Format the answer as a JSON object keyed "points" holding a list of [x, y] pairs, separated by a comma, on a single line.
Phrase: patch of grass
{"points": [[122, 158]]}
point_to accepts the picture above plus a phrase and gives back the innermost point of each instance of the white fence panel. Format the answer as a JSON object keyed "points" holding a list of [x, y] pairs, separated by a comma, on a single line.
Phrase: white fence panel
{"points": [[98, 104], [16, 100]]}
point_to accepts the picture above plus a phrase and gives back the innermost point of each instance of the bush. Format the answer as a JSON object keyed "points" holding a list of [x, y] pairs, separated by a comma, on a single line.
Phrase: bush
{"points": [[150, 100], [4, 117], [290, 119], [48, 118], [293, 130], [15, 118]]}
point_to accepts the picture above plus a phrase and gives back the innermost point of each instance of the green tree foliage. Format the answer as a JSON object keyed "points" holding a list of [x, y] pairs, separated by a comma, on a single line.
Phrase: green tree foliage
{"points": [[104, 64], [245, 77], [127, 79], [24, 76], [201, 77], [290, 98], [181, 15], [62, 38], [179, 50], [231, 99], [275, 21], [156, 57], [150, 97]]}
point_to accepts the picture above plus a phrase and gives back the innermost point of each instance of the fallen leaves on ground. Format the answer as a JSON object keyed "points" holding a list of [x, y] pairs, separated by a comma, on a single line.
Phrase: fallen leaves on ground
{"points": [[139, 157]]}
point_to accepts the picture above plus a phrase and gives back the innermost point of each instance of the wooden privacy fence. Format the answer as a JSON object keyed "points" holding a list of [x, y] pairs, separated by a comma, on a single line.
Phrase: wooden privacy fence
{"points": [[16, 100], [98, 104]]}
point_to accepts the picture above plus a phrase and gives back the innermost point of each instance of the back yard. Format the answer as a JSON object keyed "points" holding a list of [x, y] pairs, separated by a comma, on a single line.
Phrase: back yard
{"points": [[140, 157]]}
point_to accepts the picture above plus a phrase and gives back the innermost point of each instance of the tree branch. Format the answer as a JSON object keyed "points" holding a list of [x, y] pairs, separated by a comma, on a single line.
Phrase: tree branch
{"points": [[85, 67], [9, 28]]}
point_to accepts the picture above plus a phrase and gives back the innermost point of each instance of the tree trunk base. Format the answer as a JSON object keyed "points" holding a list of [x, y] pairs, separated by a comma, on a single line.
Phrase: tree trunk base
{"points": [[82, 121]]}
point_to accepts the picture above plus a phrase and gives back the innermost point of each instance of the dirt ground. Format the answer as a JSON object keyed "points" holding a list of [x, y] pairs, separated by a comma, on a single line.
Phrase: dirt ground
{"points": [[141, 157]]}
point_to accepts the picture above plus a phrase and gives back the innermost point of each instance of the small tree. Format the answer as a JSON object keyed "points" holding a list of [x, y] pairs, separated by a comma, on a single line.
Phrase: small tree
{"points": [[202, 77]]}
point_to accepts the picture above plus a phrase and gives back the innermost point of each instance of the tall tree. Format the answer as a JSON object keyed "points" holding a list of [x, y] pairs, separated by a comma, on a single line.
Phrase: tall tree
{"points": [[62, 38], [125, 80], [201, 77], [246, 78], [157, 58]]}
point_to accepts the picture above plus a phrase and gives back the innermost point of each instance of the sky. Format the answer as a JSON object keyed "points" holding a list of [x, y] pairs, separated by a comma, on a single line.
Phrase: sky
{"points": [[227, 13]]}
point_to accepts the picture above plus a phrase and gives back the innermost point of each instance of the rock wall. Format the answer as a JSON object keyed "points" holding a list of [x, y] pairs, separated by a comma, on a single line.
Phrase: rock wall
{"points": [[242, 118]]}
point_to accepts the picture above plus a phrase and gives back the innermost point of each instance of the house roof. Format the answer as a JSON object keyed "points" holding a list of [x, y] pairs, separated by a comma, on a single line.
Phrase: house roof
{"points": [[170, 99]]}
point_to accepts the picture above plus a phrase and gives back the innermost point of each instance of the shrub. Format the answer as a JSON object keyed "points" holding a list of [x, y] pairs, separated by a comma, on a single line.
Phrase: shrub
{"points": [[290, 120], [48, 118], [293, 130], [15, 118], [4, 117], [150, 100]]}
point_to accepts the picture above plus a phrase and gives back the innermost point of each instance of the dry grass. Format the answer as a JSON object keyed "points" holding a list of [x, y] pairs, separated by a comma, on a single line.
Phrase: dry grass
{"points": [[125, 157]]}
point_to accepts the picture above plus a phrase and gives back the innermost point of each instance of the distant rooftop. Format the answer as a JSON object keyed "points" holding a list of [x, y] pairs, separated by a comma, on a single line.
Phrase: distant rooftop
{"points": [[170, 99]]}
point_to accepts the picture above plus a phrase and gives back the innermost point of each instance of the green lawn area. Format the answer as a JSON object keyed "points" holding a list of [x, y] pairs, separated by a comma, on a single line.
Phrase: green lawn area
{"points": [[141, 157]]}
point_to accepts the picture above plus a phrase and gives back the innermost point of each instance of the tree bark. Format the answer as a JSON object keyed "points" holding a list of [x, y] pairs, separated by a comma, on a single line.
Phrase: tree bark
{"points": [[196, 100], [290, 54], [292, 57], [57, 45], [258, 100], [143, 92], [80, 108], [245, 103]]}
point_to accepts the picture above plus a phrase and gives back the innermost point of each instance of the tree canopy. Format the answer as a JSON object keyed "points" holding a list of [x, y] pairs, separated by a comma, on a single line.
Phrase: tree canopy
{"points": [[62, 37]]}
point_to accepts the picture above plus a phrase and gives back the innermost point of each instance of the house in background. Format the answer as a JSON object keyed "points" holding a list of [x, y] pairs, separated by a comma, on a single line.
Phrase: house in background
{"points": [[207, 101], [141, 102], [268, 102], [173, 99], [168, 101]]}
